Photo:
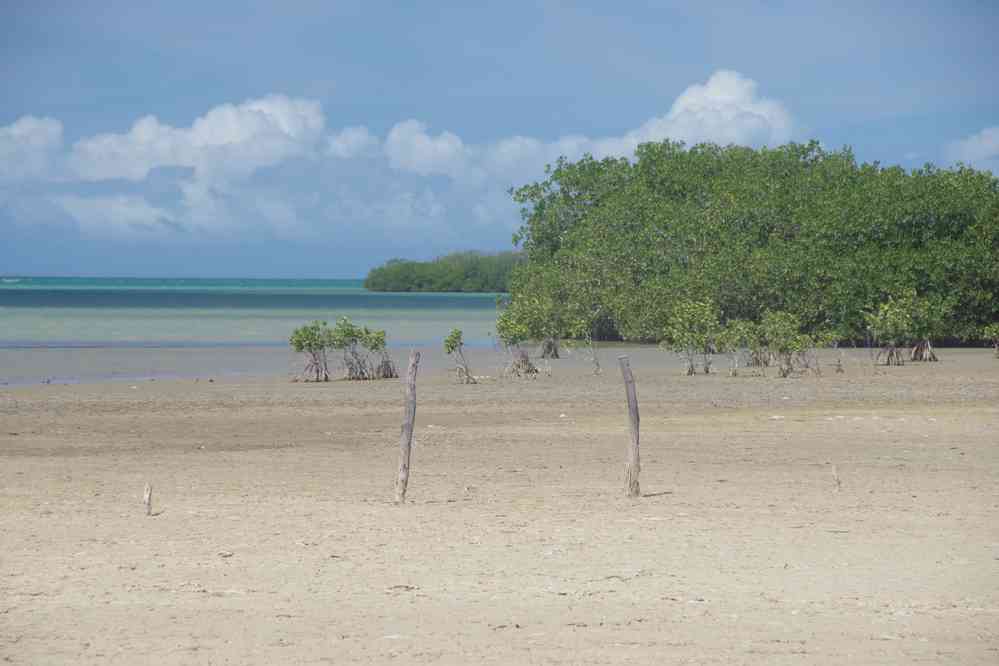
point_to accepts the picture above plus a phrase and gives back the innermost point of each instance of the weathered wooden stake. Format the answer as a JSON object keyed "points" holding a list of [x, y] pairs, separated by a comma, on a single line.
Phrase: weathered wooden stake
{"points": [[409, 419], [634, 465], [147, 499]]}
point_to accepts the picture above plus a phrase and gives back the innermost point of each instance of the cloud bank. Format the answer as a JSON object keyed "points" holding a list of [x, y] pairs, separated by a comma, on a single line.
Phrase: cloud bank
{"points": [[228, 141], [28, 148], [725, 109], [270, 165]]}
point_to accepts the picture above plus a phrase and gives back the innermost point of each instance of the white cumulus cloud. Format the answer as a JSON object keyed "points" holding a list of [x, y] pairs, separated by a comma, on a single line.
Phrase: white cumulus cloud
{"points": [[357, 178], [117, 214], [352, 142], [409, 147], [725, 109], [28, 146], [978, 150], [229, 140]]}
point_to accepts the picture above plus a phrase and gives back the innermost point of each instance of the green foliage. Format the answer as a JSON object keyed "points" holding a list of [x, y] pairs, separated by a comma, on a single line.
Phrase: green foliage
{"points": [[930, 316], [347, 335], [553, 303], [692, 330], [374, 340], [825, 338], [358, 344], [613, 246], [692, 325], [909, 319], [314, 339], [735, 335], [453, 341], [512, 324], [990, 333], [454, 346], [781, 334], [891, 323], [906, 318], [537, 314], [461, 271]]}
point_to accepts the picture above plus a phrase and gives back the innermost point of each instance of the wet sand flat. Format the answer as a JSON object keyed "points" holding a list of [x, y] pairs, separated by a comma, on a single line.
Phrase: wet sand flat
{"points": [[274, 538]]}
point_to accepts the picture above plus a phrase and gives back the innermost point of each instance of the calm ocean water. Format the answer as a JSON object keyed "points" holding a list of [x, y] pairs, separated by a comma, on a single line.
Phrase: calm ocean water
{"points": [[77, 329], [129, 312]]}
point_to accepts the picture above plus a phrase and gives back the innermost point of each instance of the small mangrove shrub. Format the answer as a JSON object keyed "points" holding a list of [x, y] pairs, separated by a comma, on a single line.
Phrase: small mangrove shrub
{"points": [[454, 347], [364, 350], [692, 332], [314, 340]]}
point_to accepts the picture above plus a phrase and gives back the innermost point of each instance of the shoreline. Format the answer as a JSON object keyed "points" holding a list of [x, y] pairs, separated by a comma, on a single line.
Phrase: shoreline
{"points": [[88, 364], [82, 366]]}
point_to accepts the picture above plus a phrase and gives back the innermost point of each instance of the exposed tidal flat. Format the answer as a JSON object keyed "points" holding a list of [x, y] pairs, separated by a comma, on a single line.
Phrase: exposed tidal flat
{"points": [[818, 519], [847, 518], [87, 329]]}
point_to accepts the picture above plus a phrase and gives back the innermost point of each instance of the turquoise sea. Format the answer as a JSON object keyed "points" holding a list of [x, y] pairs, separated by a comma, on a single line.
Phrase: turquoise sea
{"points": [[65, 316], [115, 312]]}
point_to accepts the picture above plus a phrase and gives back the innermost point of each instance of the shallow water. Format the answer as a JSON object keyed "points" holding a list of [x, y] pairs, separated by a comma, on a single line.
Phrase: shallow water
{"points": [[45, 312], [82, 329]]}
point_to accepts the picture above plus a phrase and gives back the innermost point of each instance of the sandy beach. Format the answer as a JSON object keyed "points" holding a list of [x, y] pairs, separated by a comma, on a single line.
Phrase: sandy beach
{"points": [[844, 518]]}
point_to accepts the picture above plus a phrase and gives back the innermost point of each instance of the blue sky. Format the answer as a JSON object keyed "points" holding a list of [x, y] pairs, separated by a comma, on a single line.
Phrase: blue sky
{"points": [[316, 139]]}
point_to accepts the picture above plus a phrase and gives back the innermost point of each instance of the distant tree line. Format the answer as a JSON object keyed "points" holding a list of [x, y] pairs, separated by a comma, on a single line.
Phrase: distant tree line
{"points": [[460, 271], [620, 248]]}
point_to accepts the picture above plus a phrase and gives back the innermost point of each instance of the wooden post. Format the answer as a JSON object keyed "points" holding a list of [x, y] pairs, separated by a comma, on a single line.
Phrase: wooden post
{"points": [[147, 499], [634, 465], [409, 419]]}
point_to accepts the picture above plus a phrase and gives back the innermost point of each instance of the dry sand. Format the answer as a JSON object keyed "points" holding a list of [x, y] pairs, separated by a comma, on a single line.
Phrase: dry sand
{"points": [[274, 540]]}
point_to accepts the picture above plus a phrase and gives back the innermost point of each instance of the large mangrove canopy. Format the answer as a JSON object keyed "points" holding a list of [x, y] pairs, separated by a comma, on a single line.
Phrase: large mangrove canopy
{"points": [[614, 245]]}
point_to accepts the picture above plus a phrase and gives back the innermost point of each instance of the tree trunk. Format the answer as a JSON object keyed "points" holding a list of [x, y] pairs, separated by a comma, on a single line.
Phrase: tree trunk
{"points": [[549, 348], [521, 365], [759, 358], [691, 368], [464, 374], [923, 351], [317, 366], [892, 354], [386, 367], [593, 355], [409, 420], [634, 465]]}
